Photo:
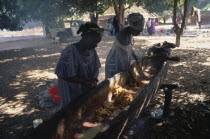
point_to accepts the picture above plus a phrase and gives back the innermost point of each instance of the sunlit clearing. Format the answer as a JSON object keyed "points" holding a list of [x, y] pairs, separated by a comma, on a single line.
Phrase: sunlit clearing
{"points": [[38, 74], [29, 57], [37, 31]]}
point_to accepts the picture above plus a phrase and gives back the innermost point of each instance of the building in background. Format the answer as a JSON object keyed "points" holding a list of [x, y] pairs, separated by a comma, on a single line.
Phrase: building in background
{"points": [[110, 13]]}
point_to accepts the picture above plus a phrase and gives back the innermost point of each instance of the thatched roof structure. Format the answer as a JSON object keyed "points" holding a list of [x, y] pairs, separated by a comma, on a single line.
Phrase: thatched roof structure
{"points": [[132, 9]]}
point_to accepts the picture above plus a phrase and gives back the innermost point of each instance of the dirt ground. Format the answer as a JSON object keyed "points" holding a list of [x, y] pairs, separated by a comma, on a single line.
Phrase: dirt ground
{"points": [[25, 72]]}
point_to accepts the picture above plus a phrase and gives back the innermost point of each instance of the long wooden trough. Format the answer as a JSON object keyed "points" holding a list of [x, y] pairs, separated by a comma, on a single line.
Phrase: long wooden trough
{"points": [[69, 122]]}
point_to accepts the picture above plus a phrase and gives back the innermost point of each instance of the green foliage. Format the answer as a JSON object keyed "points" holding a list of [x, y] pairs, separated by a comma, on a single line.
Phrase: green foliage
{"points": [[166, 14], [102, 5], [157, 6], [206, 9], [10, 15], [201, 4], [50, 12], [84, 6], [161, 7]]}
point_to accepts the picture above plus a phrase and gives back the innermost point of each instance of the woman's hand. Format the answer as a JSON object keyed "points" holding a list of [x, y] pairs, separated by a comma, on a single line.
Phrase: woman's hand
{"points": [[132, 77], [92, 83], [136, 82]]}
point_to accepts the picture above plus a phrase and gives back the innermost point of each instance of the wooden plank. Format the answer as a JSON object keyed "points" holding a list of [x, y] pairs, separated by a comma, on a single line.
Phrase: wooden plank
{"points": [[65, 123], [119, 125]]}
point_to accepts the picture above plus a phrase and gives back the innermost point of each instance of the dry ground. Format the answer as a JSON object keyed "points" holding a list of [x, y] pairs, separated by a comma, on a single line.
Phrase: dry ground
{"points": [[24, 73]]}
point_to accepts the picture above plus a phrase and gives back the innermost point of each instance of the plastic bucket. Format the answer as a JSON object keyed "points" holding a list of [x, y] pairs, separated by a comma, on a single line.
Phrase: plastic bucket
{"points": [[55, 94]]}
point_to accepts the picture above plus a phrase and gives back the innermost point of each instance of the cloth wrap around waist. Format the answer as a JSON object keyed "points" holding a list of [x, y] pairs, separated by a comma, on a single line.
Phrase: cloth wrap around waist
{"points": [[118, 59]]}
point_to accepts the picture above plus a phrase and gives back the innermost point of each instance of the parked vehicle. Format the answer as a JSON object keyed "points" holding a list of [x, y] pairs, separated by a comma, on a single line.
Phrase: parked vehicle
{"points": [[70, 29]]}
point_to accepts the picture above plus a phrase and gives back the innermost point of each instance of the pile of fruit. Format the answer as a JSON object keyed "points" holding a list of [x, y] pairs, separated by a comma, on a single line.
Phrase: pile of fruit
{"points": [[104, 112], [121, 98]]}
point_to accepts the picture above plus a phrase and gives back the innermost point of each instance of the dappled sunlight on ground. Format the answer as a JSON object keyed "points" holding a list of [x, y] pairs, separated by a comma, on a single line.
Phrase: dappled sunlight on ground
{"points": [[192, 72], [192, 75], [16, 107], [26, 73], [29, 57], [33, 76], [37, 74]]}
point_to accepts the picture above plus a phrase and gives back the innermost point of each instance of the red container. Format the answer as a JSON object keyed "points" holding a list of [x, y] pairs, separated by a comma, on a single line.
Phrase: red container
{"points": [[55, 94]]}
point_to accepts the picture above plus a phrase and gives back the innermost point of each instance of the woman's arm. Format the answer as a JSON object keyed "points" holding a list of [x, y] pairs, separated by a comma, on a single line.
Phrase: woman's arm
{"points": [[130, 73], [90, 83], [134, 56], [73, 79]]}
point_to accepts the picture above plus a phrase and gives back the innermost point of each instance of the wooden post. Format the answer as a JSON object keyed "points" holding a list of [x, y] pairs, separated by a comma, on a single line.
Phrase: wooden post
{"points": [[168, 88]]}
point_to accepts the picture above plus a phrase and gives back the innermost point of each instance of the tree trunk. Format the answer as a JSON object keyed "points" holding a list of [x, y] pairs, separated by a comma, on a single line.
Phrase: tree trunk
{"points": [[46, 29], [164, 20], [178, 39], [94, 14], [178, 31], [94, 17], [97, 17], [119, 11]]}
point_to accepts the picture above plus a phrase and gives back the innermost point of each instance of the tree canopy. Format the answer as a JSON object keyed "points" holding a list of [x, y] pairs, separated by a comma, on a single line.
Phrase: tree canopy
{"points": [[94, 7], [10, 15], [50, 12], [200, 3]]}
